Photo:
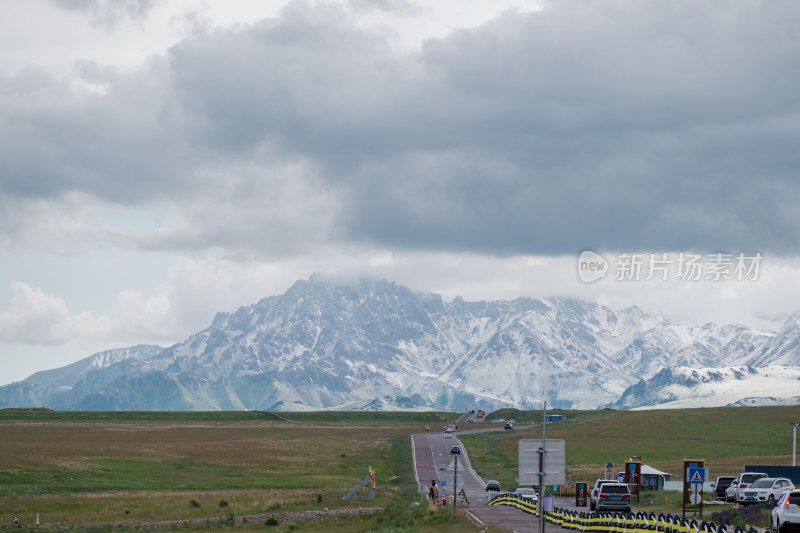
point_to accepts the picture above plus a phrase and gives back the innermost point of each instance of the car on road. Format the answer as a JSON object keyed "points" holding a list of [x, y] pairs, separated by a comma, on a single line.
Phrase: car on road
{"points": [[508, 426], [492, 489], [766, 490], [596, 490], [721, 485], [613, 497], [786, 515], [455, 450], [448, 434], [525, 492], [744, 481]]}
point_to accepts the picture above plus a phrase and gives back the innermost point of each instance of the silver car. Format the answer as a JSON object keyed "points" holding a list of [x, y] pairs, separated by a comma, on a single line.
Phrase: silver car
{"points": [[766, 490], [786, 515], [525, 492], [614, 497], [596, 490]]}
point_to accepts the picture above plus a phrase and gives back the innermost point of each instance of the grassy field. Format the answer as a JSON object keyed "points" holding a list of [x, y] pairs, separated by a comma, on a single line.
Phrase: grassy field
{"points": [[140, 468], [106, 467], [727, 438]]}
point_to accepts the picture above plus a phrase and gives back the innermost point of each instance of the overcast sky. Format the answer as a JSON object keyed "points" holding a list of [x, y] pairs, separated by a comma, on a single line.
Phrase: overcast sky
{"points": [[162, 160]]}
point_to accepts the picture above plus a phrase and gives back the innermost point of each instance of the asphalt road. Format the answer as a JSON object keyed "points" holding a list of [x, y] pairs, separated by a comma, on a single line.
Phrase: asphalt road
{"points": [[433, 461]]}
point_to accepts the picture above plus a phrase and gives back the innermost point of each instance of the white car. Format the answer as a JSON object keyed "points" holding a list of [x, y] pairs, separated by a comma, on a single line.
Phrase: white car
{"points": [[525, 492], [786, 515], [766, 490], [448, 434], [745, 478], [730, 492]]}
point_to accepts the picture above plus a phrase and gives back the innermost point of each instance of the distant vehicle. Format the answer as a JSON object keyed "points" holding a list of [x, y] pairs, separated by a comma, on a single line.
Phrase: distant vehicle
{"points": [[786, 515], [480, 413], [596, 491], [766, 490], [730, 492], [524, 492], [492, 486], [508, 426], [511, 420], [721, 485], [498, 420], [614, 497], [455, 450], [448, 434], [744, 481]]}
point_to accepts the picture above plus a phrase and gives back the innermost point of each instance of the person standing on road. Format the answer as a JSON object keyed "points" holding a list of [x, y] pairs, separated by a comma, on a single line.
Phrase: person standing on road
{"points": [[433, 494]]}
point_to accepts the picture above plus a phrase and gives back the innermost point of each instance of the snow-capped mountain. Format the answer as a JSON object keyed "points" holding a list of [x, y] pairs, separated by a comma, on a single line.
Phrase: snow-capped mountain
{"points": [[680, 387], [377, 345]]}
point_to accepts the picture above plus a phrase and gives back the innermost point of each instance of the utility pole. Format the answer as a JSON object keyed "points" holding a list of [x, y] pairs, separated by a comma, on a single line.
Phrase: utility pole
{"points": [[541, 468], [794, 442], [455, 487]]}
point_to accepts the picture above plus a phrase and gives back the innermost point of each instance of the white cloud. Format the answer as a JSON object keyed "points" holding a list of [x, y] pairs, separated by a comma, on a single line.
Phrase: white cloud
{"points": [[35, 317]]}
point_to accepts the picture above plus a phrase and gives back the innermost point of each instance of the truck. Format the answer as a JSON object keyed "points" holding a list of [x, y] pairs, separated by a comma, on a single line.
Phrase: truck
{"points": [[479, 413]]}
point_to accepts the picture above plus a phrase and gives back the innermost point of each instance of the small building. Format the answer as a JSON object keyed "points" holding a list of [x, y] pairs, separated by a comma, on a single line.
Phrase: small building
{"points": [[652, 479]]}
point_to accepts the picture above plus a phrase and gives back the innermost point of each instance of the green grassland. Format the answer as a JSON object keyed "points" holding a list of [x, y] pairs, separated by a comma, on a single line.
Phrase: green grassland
{"points": [[142, 467], [727, 438]]}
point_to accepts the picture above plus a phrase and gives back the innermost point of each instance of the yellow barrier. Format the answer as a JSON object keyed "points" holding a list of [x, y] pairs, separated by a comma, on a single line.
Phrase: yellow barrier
{"points": [[600, 522]]}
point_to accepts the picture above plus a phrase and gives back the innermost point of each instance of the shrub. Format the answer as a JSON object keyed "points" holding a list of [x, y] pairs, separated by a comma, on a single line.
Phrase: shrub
{"points": [[744, 516]]}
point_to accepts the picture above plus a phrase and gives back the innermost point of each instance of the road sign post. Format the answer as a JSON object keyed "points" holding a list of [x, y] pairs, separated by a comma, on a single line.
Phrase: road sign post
{"points": [[694, 475], [633, 477]]}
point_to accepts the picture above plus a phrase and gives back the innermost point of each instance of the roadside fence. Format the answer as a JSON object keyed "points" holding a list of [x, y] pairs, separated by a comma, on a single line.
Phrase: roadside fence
{"points": [[613, 522]]}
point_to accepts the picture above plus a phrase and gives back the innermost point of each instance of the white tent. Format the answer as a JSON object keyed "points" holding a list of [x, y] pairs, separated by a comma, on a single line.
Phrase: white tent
{"points": [[649, 470]]}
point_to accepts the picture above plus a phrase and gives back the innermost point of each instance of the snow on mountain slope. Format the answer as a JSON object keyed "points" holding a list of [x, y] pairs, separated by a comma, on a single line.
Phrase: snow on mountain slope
{"points": [[715, 387], [377, 345]]}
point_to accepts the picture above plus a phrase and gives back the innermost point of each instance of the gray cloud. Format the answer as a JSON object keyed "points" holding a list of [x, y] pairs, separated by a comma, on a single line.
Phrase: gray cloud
{"points": [[109, 14], [618, 125]]}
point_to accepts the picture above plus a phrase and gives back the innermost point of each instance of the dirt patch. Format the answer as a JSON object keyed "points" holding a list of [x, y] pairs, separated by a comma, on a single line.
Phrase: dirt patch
{"points": [[282, 518]]}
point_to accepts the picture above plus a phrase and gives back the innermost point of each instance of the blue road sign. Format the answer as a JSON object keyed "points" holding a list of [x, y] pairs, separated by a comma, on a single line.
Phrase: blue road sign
{"points": [[697, 475]]}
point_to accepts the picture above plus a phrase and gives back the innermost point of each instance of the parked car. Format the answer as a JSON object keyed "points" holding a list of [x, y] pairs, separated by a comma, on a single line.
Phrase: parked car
{"points": [[744, 481], [766, 490], [455, 450], [786, 515], [614, 497], [596, 490], [730, 492], [508, 426], [525, 492], [721, 485]]}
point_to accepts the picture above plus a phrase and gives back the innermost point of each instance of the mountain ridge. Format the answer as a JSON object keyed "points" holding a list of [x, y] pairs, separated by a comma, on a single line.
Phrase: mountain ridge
{"points": [[374, 344]]}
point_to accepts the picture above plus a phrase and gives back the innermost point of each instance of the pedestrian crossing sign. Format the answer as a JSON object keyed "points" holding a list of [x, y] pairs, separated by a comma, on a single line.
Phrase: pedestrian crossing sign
{"points": [[697, 475]]}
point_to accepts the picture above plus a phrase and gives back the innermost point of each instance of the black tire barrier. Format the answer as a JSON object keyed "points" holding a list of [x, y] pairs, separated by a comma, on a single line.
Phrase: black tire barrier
{"points": [[614, 522]]}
